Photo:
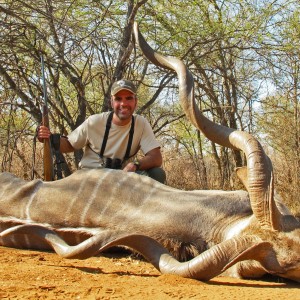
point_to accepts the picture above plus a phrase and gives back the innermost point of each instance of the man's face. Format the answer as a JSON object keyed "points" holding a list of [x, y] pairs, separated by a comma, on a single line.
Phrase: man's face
{"points": [[124, 104]]}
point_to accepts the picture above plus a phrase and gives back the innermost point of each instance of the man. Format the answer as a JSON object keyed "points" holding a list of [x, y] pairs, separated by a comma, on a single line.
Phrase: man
{"points": [[113, 139]]}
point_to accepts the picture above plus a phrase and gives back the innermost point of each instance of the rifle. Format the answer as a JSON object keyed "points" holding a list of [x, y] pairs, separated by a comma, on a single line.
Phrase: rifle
{"points": [[48, 158]]}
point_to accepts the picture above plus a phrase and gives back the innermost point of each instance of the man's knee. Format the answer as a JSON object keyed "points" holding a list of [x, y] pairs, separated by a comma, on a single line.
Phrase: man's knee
{"points": [[158, 174]]}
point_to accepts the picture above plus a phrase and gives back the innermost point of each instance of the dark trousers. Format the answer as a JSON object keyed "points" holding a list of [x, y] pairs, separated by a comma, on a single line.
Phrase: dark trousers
{"points": [[155, 173]]}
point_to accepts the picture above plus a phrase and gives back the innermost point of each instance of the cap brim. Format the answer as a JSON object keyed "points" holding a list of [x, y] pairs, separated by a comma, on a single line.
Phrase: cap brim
{"points": [[117, 90]]}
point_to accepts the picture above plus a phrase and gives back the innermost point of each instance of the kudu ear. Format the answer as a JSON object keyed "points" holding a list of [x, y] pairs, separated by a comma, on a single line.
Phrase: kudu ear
{"points": [[243, 176], [262, 252]]}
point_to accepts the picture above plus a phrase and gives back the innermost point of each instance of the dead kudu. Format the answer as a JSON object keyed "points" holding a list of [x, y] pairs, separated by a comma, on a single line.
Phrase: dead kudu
{"points": [[245, 234]]}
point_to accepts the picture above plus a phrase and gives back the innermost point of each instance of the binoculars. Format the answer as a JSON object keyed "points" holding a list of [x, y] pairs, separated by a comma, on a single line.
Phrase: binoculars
{"points": [[110, 163]]}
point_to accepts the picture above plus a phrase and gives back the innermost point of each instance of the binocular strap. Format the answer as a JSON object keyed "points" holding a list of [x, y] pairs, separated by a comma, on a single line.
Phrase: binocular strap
{"points": [[108, 126]]}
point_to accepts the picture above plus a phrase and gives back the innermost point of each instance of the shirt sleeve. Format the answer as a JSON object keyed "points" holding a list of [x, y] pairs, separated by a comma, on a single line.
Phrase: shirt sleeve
{"points": [[78, 138]]}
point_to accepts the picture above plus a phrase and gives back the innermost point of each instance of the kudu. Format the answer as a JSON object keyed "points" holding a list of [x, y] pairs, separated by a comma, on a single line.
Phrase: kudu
{"points": [[245, 234]]}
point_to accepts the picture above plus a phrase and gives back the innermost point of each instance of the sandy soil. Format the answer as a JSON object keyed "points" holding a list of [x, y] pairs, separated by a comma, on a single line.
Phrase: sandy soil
{"points": [[26, 274]]}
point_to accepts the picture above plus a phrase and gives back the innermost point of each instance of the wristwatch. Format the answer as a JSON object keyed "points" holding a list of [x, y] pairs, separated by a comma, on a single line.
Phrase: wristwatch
{"points": [[137, 165]]}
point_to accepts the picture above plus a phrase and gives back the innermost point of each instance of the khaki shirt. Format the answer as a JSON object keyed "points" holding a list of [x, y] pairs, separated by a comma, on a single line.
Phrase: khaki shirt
{"points": [[89, 135]]}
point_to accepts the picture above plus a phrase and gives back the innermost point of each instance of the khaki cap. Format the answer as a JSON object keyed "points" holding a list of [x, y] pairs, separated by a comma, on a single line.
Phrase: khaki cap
{"points": [[122, 85]]}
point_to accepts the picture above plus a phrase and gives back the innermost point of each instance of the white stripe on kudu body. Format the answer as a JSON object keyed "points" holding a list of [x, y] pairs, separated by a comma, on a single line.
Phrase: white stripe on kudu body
{"points": [[96, 191], [31, 198], [77, 196]]}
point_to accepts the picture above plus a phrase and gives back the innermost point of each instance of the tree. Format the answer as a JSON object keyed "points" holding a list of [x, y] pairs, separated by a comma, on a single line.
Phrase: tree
{"points": [[279, 119], [73, 38], [220, 48], [232, 48]]}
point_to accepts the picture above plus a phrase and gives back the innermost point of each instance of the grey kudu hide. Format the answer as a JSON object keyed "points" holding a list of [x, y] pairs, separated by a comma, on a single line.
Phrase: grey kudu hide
{"points": [[245, 234]]}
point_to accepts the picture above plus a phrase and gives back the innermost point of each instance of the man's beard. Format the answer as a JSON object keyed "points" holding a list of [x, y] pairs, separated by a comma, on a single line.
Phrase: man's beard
{"points": [[123, 116]]}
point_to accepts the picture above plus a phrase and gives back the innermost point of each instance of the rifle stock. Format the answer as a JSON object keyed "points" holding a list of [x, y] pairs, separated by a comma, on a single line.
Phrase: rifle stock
{"points": [[47, 153]]}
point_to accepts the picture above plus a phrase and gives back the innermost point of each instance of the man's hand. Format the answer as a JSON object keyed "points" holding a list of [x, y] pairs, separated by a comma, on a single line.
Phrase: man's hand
{"points": [[152, 159], [43, 133], [130, 167]]}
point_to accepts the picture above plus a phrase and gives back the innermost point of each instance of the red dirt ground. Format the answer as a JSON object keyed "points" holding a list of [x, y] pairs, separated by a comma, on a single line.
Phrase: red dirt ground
{"points": [[26, 274]]}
